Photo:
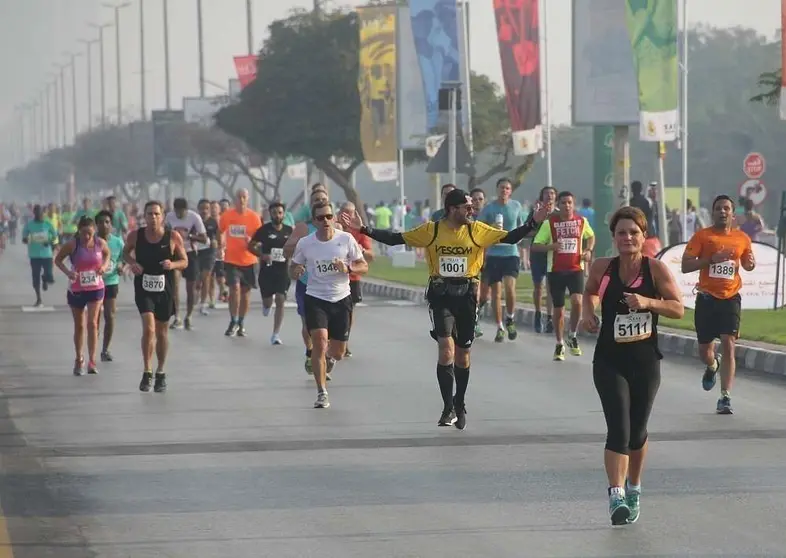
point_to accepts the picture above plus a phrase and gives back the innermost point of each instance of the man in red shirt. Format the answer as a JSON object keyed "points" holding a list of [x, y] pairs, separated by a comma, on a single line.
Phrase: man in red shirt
{"points": [[354, 279]]}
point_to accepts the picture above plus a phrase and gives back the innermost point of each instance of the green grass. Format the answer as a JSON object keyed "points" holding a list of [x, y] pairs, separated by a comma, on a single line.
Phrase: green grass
{"points": [[767, 326]]}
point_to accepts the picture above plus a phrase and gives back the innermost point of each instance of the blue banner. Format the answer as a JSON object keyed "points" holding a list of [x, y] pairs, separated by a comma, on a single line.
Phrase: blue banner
{"points": [[436, 34]]}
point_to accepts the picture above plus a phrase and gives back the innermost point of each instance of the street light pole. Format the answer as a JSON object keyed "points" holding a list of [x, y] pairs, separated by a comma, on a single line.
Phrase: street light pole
{"points": [[200, 38], [116, 8], [74, 56], [62, 68], [103, 68], [48, 117], [89, 64], [250, 27], [167, 81], [142, 58]]}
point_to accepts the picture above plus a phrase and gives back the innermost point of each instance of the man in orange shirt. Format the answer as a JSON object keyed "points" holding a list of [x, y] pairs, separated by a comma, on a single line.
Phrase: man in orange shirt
{"points": [[717, 253], [238, 226]]}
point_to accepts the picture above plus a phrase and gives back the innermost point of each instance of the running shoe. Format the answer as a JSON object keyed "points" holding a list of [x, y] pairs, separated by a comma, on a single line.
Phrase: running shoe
{"points": [[559, 352], [448, 417], [307, 366], [538, 322], [106, 356], [549, 325], [275, 339], [177, 323], [160, 386], [232, 329], [573, 345], [500, 336], [461, 414], [91, 368], [347, 352], [632, 499], [710, 377], [266, 311], [724, 406], [204, 311], [330, 363], [78, 367], [147, 382], [510, 325], [187, 324], [478, 331], [618, 509], [322, 401], [241, 331]]}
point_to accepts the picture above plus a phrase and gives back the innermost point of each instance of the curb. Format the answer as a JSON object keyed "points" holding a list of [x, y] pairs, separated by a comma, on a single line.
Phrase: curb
{"points": [[748, 357]]}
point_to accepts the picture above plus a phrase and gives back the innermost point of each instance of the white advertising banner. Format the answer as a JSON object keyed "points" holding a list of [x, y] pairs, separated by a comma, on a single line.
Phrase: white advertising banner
{"points": [[605, 90], [201, 110], [758, 286]]}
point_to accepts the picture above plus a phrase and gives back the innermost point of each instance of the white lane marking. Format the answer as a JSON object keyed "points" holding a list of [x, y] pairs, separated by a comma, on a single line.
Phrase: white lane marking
{"points": [[38, 308], [402, 303]]}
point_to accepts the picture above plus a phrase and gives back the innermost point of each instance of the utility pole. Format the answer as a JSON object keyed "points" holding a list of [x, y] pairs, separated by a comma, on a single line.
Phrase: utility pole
{"points": [[62, 68], [89, 66], [167, 81], [103, 69], [117, 8], [142, 58], [74, 56], [201, 47]]}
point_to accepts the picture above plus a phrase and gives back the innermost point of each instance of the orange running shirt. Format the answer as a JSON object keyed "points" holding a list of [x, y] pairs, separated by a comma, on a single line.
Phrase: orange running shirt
{"points": [[721, 280], [239, 228]]}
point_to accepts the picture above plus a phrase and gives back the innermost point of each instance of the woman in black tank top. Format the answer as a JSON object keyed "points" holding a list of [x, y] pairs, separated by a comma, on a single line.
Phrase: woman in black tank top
{"points": [[633, 291]]}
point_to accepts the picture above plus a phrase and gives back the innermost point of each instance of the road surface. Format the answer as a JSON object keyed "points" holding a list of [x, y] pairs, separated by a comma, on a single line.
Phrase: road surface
{"points": [[234, 461]]}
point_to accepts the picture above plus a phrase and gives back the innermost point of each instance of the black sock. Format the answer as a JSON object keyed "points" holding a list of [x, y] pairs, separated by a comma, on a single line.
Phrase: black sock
{"points": [[462, 380], [445, 379], [308, 353]]}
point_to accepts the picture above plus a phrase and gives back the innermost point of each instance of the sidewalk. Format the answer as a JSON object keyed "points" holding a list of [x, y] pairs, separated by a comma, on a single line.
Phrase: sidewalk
{"points": [[757, 357]]}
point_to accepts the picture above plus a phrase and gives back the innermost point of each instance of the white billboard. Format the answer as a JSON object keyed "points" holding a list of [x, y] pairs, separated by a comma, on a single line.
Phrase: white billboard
{"points": [[758, 286], [201, 110], [605, 90], [411, 118]]}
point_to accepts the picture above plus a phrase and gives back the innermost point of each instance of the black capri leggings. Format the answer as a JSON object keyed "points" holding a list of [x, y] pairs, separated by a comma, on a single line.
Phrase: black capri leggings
{"points": [[626, 393]]}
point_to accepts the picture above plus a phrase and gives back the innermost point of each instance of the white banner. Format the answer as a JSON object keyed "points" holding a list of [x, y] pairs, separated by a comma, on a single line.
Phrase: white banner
{"points": [[527, 142], [605, 91], [201, 110], [659, 126], [758, 286], [412, 117], [297, 171], [383, 172]]}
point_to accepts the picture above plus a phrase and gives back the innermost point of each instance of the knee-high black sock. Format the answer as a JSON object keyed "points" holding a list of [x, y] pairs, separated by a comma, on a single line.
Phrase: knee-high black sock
{"points": [[462, 380], [445, 379]]}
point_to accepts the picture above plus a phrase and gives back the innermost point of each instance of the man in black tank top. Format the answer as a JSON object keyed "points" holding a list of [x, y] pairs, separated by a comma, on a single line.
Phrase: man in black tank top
{"points": [[157, 253], [632, 291]]}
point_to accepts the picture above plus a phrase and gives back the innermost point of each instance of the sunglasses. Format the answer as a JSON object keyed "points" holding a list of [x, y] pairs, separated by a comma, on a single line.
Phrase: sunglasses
{"points": [[323, 218]]}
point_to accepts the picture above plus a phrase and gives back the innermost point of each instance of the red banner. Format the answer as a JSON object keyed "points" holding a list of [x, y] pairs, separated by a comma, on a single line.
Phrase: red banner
{"points": [[518, 34], [246, 67]]}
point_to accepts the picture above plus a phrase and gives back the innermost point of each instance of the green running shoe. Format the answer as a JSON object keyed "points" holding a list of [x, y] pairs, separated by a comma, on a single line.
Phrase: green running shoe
{"points": [[632, 498]]}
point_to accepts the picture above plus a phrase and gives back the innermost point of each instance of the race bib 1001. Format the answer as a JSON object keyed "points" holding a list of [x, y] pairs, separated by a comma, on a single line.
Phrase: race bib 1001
{"points": [[324, 268], [88, 279], [277, 255], [635, 326], [568, 246], [153, 283], [452, 266], [723, 270], [237, 231]]}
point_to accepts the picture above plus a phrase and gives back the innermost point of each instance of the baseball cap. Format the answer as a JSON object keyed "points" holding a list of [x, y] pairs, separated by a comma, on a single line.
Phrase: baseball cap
{"points": [[457, 197]]}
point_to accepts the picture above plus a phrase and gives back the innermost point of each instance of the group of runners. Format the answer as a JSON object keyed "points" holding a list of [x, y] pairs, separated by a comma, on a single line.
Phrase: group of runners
{"points": [[470, 251]]}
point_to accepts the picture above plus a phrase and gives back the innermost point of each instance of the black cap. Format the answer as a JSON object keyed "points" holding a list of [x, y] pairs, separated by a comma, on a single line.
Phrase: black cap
{"points": [[456, 197]]}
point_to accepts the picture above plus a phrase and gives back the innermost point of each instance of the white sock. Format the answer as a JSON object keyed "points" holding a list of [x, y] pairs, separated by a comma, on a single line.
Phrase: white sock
{"points": [[511, 316], [615, 491], [634, 488], [500, 326]]}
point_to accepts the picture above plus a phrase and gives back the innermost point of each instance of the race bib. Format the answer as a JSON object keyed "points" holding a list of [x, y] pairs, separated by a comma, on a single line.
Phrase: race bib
{"points": [[324, 268], [237, 231], [88, 279], [635, 326], [452, 266], [277, 255], [153, 283], [568, 246], [40, 237], [723, 270]]}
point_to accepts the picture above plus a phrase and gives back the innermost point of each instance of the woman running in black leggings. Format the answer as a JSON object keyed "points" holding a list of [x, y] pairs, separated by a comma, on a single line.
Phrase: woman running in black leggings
{"points": [[633, 291]]}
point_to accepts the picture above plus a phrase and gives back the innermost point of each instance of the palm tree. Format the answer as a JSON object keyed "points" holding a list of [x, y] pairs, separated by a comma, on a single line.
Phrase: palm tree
{"points": [[771, 83]]}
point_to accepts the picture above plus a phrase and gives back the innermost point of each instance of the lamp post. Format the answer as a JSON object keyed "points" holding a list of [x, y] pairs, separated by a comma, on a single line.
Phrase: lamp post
{"points": [[103, 68], [117, 8], [142, 59], [73, 56], [89, 66]]}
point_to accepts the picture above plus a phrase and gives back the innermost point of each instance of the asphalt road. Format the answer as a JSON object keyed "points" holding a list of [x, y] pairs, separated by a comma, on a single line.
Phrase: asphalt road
{"points": [[234, 461]]}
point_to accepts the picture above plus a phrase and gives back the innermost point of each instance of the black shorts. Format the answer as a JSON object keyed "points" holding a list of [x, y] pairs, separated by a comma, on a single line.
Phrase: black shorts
{"points": [[245, 275], [356, 292], [206, 259], [499, 267], [454, 316], [561, 281], [273, 280], [218, 269], [538, 266], [192, 271], [336, 317], [716, 316], [162, 305], [110, 291]]}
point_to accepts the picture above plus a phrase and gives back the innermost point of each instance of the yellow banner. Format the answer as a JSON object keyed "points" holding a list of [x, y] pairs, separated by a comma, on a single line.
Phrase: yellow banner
{"points": [[377, 83]]}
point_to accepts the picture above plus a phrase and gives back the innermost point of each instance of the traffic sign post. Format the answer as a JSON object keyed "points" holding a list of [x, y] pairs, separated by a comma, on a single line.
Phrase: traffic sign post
{"points": [[754, 165], [753, 189]]}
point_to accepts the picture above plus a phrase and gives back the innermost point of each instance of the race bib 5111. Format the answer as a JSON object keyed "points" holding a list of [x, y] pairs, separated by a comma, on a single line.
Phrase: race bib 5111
{"points": [[635, 326]]}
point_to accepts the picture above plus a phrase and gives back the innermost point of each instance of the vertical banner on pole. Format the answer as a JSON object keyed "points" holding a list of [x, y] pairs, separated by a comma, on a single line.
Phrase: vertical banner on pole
{"points": [[377, 88], [603, 186], [519, 51], [652, 28], [783, 60]]}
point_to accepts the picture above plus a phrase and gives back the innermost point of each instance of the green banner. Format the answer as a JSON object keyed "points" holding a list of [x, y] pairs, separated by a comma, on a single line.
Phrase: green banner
{"points": [[603, 186], [652, 27]]}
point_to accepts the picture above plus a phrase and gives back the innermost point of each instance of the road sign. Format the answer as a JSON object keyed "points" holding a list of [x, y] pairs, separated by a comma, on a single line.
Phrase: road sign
{"points": [[754, 190], [754, 165]]}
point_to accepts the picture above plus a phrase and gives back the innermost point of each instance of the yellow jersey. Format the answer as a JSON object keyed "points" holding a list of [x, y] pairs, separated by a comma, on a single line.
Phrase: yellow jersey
{"points": [[454, 253]]}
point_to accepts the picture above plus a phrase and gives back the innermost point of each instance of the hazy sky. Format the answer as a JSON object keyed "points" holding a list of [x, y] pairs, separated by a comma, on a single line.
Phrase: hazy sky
{"points": [[35, 34]]}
